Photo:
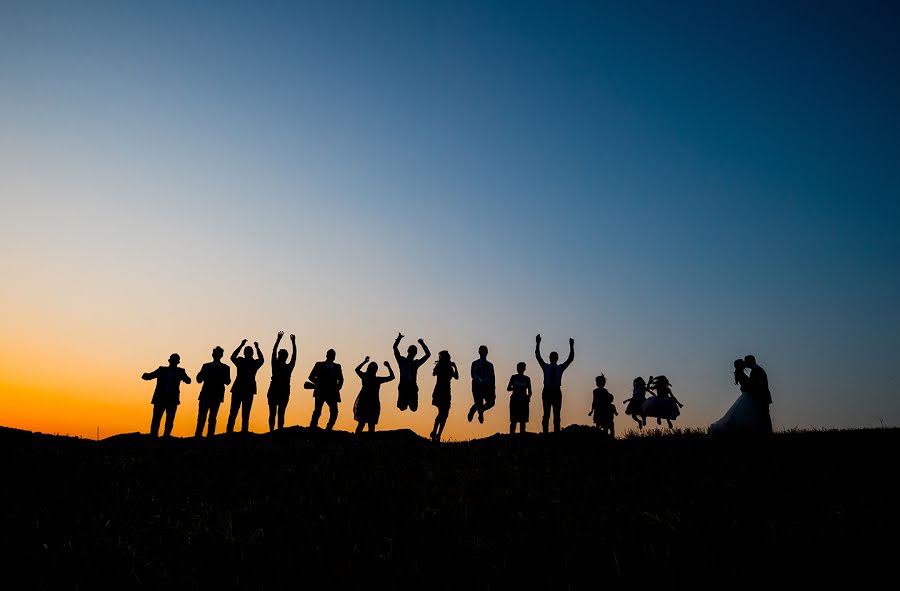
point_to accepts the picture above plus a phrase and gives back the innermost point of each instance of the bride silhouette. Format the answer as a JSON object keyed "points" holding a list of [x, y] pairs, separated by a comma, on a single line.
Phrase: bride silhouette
{"points": [[743, 418]]}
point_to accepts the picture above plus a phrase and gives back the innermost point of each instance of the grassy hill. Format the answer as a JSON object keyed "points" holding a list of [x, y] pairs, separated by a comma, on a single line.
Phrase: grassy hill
{"points": [[394, 510]]}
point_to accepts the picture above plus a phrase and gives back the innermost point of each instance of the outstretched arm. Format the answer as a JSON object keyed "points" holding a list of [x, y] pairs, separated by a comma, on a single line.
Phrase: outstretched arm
{"points": [[396, 349], [359, 367], [537, 351], [259, 353], [571, 356], [149, 375], [234, 355], [293, 351], [427, 352], [275, 346]]}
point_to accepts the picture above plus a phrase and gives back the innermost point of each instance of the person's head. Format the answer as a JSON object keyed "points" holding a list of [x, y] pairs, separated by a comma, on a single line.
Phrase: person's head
{"points": [[330, 355], [372, 368], [661, 381], [520, 367], [600, 381], [218, 352], [554, 357], [639, 382], [444, 357], [411, 351], [282, 355], [248, 351], [174, 359], [482, 351], [750, 361], [739, 364]]}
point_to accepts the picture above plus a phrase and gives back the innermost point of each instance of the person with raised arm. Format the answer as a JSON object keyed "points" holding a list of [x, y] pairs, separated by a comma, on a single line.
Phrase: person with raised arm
{"points": [[214, 376], [244, 388], [367, 407], [280, 386], [484, 391], [167, 394], [326, 379], [408, 368], [553, 372]]}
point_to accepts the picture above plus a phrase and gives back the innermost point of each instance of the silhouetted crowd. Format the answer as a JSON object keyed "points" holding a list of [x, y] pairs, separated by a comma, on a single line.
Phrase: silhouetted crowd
{"points": [[650, 398]]}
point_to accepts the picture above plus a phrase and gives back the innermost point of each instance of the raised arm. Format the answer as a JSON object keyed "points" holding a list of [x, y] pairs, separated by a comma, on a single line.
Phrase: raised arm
{"points": [[571, 356], [275, 346], [427, 352], [293, 351], [396, 345], [359, 367], [259, 354], [234, 355], [537, 351], [390, 375]]}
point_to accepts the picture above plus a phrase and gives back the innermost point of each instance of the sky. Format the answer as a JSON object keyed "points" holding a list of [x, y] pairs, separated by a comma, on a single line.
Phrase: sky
{"points": [[673, 185]]}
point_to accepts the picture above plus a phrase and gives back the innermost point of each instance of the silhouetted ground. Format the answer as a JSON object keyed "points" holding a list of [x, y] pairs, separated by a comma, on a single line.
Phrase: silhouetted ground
{"points": [[394, 510]]}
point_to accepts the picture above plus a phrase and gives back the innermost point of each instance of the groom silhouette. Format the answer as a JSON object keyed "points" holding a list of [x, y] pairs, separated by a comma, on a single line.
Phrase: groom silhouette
{"points": [[759, 391]]}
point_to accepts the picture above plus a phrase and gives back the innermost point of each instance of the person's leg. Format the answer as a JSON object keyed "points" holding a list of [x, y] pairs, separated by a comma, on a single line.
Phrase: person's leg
{"points": [[317, 412], [489, 402], [233, 412], [213, 413], [359, 426], [371, 427], [273, 409], [512, 427], [246, 405], [413, 400], [282, 407], [522, 426], [332, 414], [170, 419], [201, 419], [557, 407], [156, 418], [545, 420]]}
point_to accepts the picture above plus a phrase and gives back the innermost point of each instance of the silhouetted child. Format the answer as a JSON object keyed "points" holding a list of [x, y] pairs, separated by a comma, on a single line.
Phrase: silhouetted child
{"points": [[445, 370], [663, 405], [635, 406], [367, 407], [602, 408], [519, 398]]}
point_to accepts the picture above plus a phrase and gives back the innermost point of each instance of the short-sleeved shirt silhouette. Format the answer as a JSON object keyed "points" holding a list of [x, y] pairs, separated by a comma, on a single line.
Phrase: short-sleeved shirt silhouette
{"points": [[483, 376], [408, 370], [214, 376], [245, 382]]}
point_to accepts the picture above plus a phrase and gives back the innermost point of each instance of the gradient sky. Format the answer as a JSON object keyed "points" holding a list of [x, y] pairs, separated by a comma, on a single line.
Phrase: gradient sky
{"points": [[672, 184]]}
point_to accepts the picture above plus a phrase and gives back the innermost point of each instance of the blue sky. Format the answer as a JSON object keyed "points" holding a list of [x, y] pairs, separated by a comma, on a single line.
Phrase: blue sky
{"points": [[674, 185]]}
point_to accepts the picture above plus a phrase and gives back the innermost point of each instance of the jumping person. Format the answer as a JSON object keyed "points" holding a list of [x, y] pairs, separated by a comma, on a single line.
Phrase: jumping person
{"points": [[167, 394], [280, 386], [214, 376], [367, 408], [552, 393], [408, 367]]}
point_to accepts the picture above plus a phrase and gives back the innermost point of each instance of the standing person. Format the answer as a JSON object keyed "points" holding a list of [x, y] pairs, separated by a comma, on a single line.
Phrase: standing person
{"points": [[327, 380], [367, 408], [603, 408], [214, 376], [552, 392], [483, 385], [635, 406], [759, 390], [744, 417], [519, 398], [167, 394], [280, 386], [445, 370], [244, 388], [408, 367]]}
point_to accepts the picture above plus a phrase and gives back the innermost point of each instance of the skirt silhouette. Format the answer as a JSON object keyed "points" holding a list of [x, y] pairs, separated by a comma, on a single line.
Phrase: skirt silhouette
{"points": [[660, 408]]}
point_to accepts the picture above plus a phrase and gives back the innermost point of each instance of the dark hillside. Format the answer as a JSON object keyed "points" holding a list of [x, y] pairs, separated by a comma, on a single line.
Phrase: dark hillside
{"points": [[394, 510]]}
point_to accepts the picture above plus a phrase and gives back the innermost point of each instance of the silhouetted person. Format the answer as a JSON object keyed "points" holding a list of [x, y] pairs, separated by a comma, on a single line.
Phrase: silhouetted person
{"points": [[519, 398], [445, 370], [167, 394], [408, 368], [602, 407], [244, 388], [484, 389], [744, 417], [635, 406], [367, 407], [758, 383], [327, 380], [663, 404], [552, 392], [214, 376], [280, 386]]}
